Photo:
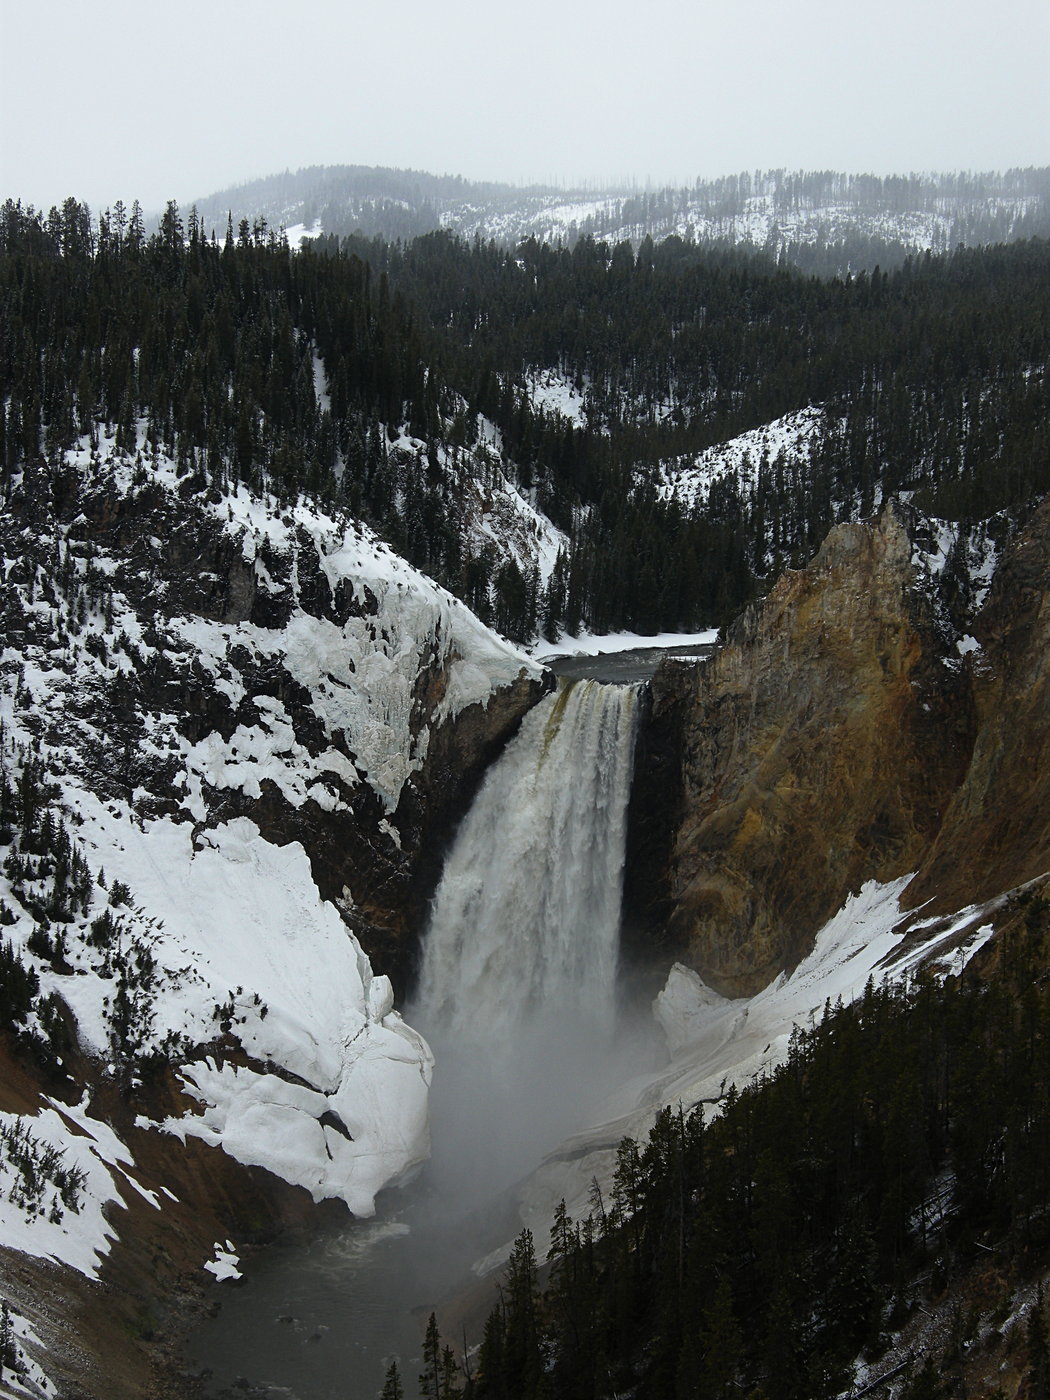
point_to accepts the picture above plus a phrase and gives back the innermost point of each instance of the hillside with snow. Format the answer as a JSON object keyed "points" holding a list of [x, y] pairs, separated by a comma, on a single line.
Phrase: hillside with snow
{"points": [[855, 220], [157, 909], [270, 520]]}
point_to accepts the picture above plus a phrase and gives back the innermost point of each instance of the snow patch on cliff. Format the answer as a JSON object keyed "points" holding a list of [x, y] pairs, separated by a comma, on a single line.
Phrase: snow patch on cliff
{"points": [[61, 1172]]}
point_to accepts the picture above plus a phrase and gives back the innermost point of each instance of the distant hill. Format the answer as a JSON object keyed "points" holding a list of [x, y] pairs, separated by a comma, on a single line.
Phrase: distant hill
{"points": [[823, 221]]}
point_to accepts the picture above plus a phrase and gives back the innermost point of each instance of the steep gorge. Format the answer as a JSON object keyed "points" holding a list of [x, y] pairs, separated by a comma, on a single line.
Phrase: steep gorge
{"points": [[841, 735]]}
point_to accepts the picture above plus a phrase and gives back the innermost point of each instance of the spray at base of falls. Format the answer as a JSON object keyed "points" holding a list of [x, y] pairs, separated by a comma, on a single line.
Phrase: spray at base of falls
{"points": [[517, 993]]}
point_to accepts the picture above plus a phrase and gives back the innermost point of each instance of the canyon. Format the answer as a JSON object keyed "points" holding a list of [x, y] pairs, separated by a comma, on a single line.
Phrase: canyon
{"points": [[274, 694]]}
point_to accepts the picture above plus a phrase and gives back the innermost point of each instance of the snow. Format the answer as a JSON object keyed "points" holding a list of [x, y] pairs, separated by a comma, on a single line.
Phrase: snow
{"points": [[225, 1264], [242, 943], [361, 675], [762, 219], [79, 1235], [599, 645], [298, 233], [690, 479], [243, 951], [30, 1382], [557, 393], [246, 917]]}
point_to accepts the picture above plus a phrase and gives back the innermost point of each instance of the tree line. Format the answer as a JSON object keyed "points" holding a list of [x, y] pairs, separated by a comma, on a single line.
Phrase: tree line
{"points": [[357, 372]]}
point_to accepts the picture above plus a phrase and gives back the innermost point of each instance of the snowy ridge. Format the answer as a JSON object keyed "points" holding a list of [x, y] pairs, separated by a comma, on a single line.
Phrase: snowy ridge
{"points": [[194, 938], [689, 480], [762, 219], [361, 675]]}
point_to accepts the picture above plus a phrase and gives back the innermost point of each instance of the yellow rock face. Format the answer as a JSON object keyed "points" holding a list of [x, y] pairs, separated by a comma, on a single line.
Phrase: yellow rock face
{"points": [[821, 749]]}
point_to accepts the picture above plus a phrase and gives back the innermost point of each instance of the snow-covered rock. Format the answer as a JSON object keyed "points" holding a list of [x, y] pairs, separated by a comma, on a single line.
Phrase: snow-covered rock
{"points": [[198, 685]]}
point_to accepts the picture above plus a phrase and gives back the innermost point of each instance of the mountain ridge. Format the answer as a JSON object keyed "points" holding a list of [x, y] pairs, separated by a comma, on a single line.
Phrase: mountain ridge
{"points": [[818, 218]]}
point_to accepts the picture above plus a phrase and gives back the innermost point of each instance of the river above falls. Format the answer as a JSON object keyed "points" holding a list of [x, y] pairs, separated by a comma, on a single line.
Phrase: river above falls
{"points": [[631, 663]]}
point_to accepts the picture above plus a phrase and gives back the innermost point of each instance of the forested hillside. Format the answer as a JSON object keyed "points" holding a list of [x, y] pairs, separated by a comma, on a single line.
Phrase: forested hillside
{"points": [[864, 1213], [822, 221], [399, 382], [239, 726]]}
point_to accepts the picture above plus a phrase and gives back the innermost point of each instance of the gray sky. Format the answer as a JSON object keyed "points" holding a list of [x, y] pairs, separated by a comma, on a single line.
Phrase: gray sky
{"points": [[108, 99]]}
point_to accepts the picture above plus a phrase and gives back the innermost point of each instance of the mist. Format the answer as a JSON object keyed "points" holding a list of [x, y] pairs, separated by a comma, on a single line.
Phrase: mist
{"points": [[496, 1112]]}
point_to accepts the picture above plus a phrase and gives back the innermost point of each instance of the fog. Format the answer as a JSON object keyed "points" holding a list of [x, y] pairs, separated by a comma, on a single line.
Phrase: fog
{"points": [[123, 100]]}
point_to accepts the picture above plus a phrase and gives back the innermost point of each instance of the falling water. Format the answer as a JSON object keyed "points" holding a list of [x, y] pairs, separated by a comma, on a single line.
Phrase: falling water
{"points": [[517, 988], [526, 918]]}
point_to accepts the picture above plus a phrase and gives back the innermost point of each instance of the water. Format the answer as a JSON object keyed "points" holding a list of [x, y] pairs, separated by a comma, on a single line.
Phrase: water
{"points": [[526, 918], [517, 993], [517, 996], [626, 667], [321, 1320]]}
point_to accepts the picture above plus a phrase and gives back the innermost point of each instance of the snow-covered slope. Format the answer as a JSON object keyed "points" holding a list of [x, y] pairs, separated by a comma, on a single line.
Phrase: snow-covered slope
{"points": [[690, 480], [168, 664]]}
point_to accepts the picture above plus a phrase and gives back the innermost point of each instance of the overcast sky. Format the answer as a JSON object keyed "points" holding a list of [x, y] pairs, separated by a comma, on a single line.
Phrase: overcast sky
{"points": [[108, 99]]}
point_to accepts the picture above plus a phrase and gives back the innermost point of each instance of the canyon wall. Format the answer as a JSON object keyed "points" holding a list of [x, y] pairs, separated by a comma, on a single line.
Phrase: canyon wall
{"points": [[846, 731]]}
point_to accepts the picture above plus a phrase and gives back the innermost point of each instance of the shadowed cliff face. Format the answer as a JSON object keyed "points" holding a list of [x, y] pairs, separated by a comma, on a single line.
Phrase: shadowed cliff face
{"points": [[996, 830], [820, 748]]}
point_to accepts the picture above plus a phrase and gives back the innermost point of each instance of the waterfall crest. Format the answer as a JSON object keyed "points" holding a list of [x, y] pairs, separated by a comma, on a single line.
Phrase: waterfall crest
{"points": [[525, 922]]}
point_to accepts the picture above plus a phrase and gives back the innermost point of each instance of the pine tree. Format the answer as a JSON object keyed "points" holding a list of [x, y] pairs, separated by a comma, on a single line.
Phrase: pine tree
{"points": [[392, 1387], [431, 1375]]}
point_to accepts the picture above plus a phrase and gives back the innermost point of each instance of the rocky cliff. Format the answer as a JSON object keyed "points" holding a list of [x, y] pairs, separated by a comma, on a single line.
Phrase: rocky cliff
{"points": [[848, 731], [235, 736]]}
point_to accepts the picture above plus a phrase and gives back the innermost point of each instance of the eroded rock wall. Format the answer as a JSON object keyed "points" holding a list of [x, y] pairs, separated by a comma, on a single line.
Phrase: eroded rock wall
{"points": [[996, 829], [819, 748]]}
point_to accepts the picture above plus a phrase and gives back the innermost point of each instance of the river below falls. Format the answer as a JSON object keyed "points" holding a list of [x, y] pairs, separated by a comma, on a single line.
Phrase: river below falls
{"points": [[321, 1320]]}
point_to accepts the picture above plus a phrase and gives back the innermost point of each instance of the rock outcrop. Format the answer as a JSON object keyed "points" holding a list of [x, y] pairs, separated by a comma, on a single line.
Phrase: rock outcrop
{"points": [[995, 834], [819, 749]]}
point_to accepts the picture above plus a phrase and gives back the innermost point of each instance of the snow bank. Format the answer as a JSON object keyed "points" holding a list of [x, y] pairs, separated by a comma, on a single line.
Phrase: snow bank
{"points": [[226, 1263], [264, 955], [716, 1042]]}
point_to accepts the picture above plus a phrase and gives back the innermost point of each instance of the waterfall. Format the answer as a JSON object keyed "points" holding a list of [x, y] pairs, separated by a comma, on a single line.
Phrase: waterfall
{"points": [[525, 922], [518, 984]]}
